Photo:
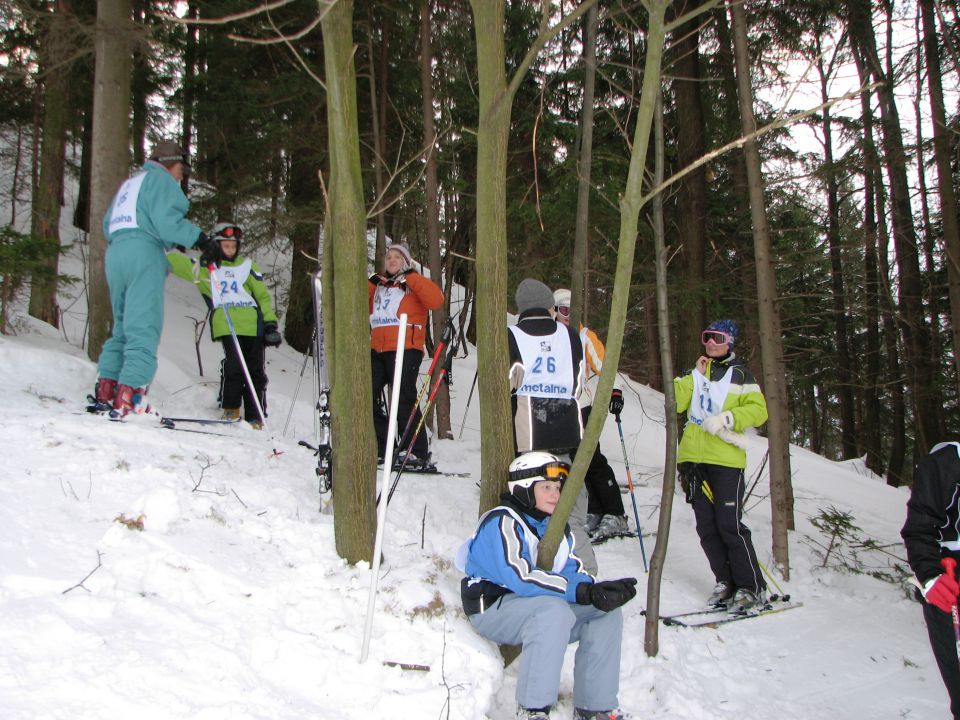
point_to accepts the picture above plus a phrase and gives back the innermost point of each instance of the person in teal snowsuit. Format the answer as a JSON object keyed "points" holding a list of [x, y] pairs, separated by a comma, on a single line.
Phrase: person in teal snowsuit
{"points": [[241, 292], [147, 215]]}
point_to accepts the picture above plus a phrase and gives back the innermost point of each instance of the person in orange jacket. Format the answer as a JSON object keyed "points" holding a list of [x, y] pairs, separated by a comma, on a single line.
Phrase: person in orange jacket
{"points": [[399, 289]]}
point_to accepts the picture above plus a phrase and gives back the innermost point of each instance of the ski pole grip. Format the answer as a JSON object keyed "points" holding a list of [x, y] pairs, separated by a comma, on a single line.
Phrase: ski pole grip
{"points": [[950, 565]]}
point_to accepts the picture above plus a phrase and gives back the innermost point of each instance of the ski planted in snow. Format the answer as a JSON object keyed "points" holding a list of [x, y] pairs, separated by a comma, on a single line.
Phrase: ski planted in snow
{"points": [[323, 449], [714, 617]]}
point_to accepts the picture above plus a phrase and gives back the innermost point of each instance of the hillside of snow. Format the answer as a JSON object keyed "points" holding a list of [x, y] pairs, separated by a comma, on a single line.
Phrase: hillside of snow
{"points": [[156, 573]]}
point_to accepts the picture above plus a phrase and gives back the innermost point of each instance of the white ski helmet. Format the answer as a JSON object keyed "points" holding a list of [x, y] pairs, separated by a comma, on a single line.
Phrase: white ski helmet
{"points": [[530, 468], [228, 231], [562, 297]]}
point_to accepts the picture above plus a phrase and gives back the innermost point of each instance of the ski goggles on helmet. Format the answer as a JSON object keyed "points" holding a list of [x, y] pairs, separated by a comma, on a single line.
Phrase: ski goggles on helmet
{"points": [[563, 310], [717, 337], [230, 232], [551, 471]]}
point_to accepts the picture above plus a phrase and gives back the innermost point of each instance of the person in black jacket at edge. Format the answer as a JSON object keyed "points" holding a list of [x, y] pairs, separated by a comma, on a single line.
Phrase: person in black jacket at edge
{"points": [[932, 537]]}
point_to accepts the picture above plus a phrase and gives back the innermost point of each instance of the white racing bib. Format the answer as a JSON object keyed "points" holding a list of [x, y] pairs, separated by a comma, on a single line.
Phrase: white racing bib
{"points": [[547, 363], [708, 397], [123, 213], [228, 288], [386, 303]]}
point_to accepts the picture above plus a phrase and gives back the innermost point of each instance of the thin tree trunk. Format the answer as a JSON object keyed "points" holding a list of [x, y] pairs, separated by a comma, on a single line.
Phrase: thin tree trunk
{"points": [[376, 115], [691, 190], [942, 138], [140, 86], [914, 326], [844, 376], [189, 85], [354, 462], [771, 336], [581, 261], [57, 47], [111, 151], [432, 207]]}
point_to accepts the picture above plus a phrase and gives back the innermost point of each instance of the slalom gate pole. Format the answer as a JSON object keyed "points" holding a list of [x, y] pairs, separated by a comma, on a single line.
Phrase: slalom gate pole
{"points": [[636, 514], [212, 268], [437, 354], [473, 386], [406, 456], [296, 392], [382, 508]]}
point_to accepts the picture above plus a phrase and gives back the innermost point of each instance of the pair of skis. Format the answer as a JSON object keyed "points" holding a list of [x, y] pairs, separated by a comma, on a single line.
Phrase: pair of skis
{"points": [[714, 617]]}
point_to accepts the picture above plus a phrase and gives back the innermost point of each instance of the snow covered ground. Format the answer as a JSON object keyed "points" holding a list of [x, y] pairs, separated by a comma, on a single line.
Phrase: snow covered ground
{"points": [[231, 603]]}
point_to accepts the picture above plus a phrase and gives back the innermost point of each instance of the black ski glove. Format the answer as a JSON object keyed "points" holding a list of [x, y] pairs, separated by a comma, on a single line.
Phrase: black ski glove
{"points": [[616, 402], [271, 336], [375, 279], [607, 595], [209, 250]]}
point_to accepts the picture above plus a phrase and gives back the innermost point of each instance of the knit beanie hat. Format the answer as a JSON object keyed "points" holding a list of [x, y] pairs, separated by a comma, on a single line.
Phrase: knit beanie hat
{"points": [[726, 326], [533, 294], [403, 250]]}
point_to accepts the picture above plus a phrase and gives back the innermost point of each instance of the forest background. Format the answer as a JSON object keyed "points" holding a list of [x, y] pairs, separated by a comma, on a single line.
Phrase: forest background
{"points": [[331, 119]]}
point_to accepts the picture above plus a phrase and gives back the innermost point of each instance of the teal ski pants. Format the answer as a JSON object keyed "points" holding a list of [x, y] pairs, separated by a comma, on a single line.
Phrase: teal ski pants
{"points": [[136, 269]]}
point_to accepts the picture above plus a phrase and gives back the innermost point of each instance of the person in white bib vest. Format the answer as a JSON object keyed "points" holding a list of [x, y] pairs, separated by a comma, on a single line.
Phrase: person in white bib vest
{"points": [[397, 290], [605, 514], [146, 217], [546, 382], [721, 399], [510, 600], [242, 293]]}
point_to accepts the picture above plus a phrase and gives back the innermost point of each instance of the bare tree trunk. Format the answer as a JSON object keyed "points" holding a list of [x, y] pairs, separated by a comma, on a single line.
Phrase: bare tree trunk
{"points": [[111, 151], [942, 153], [844, 376], [914, 326], [432, 207], [377, 113], [140, 85], [692, 189], [651, 642], [771, 336], [496, 437], [351, 395], [57, 48], [872, 445], [581, 260], [189, 84]]}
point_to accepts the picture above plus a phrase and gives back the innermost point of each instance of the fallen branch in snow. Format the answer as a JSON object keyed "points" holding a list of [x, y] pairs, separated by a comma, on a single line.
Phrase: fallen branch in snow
{"points": [[406, 666], [87, 577]]}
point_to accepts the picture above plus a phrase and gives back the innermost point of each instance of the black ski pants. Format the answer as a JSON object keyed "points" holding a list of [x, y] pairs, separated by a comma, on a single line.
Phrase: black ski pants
{"points": [[235, 387], [943, 641], [603, 492], [382, 367], [717, 497]]}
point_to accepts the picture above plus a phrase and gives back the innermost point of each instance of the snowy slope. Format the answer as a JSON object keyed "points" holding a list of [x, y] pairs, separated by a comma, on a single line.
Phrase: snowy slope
{"points": [[231, 602]]}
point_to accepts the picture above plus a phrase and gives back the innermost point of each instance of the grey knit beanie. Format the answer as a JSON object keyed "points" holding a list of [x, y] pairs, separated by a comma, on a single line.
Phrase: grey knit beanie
{"points": [[533, 294]]}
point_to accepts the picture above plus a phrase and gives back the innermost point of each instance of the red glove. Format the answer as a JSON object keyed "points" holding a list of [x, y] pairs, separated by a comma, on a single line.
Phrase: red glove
{"points": [[942, 592]]}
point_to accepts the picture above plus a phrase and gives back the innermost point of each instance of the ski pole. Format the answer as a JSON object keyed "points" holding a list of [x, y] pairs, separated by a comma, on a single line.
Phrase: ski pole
{"points": [[636, 514], [950, 565], [296, 391], [382, 509], [437, 352], [416, 433], [783, 596], [473, 386], [212, 268]]}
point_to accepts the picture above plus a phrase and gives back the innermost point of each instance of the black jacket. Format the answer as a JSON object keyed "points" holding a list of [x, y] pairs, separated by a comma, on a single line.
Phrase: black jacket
{"points": [[932, 529]]}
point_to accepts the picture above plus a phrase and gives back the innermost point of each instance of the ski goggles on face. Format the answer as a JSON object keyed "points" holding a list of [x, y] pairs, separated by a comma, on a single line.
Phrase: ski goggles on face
{"points": [[717, 337], [230, 232], [551, 471], [563, 310]]}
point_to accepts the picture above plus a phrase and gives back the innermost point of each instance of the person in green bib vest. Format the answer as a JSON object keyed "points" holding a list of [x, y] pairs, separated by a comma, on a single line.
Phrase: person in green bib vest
{"points": [[240, 290], [721, 399]]}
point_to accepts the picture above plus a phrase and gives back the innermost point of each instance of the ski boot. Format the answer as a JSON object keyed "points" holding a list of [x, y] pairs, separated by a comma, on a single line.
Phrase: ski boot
{"points": [[721, 595], [103, 393], [129, 400]]}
